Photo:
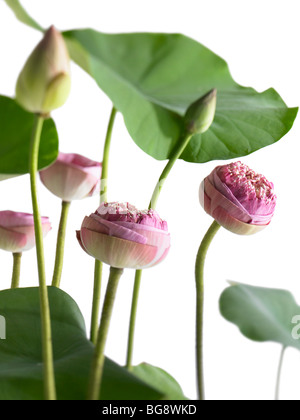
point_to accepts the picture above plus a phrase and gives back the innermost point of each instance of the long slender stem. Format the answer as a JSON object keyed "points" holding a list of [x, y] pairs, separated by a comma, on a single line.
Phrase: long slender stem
{"points": [[279, 373], [103, 198], [199, 275], [175, 155], [49, 381], [105, 159], [96, 300], [98, 359], [15, 280], [137, 283], [60, 244], [183, 142]]}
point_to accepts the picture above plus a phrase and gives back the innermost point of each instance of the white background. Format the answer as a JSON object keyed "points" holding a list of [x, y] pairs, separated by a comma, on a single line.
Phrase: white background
{"points": [[260, 41]]}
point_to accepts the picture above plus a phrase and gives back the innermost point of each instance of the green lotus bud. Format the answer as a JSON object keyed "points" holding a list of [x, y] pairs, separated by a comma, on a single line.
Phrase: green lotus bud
{"points": [[200, 115], [44, 82]]}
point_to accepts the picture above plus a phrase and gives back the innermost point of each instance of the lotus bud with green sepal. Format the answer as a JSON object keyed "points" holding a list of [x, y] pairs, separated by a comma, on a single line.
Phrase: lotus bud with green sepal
{"points": [[200, 114], [44, 82]]}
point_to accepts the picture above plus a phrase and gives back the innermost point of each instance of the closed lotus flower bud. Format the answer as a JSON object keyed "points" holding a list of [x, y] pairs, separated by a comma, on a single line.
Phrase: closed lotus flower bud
{"points": [[44, 82], [17, 231], [200, 114], [72, 177], [238, 198], [123, 237]]}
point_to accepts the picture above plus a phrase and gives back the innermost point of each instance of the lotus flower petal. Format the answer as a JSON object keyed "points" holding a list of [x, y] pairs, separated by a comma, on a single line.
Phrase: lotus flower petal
{"points": [[219, 200], [116, 252], [12, 241], [234, 225], [114, 229]]}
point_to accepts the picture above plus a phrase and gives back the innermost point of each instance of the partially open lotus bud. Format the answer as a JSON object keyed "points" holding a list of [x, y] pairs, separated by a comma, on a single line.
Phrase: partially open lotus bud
{"points": [[17, 230], [44, 82], [72, 177], [120, 235], [238, 198]]}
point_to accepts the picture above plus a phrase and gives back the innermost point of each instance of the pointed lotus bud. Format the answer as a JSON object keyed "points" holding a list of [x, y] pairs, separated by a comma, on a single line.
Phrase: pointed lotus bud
{"points": [[238, 198], [200, 115], [44, 82], [123, 237], [72, 177], [17, 230]]}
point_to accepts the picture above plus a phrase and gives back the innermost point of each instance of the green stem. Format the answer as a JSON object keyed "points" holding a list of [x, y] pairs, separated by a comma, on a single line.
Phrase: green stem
{"points": [[199, 275], [96, 300], [49, 382], [175, 155], [177, 152], [103, 198], [105, 160], [98, 359], [279, 373], [137, 283], [15, 281], [60, 243]]}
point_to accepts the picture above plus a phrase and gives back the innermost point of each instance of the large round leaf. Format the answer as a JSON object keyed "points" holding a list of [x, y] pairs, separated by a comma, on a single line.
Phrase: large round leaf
{"points": [[21, 352], [15, 135], [153, 78], [263, 314]]}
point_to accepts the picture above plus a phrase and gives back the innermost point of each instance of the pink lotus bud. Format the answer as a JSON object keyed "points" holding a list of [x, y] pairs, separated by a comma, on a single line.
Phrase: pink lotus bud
{"points": [[238, 198], [120, 235], [17, 231], [72, 177], [44, 82]]}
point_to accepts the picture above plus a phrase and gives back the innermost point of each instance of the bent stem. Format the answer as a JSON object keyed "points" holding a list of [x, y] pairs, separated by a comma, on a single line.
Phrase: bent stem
{"points": [[60, 243], [199, 275], [15, 280], [49, 382], [175, 155], [103, 198], [180, 147], [98, 359], [279, 374]]}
